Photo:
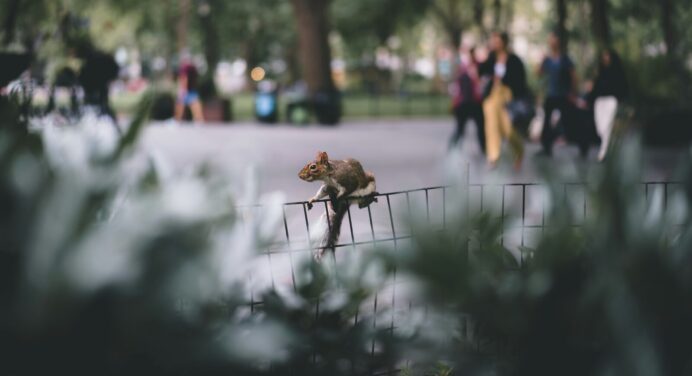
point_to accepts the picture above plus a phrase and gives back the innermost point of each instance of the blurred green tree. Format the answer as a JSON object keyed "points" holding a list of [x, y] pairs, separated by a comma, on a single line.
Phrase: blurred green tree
{"points": [[366, 25], [454, 17], [600, 22], [256, 31]]}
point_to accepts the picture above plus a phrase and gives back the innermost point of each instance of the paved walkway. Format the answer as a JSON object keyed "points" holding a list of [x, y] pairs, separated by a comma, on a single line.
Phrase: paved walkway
{"points": [[403, 154]]}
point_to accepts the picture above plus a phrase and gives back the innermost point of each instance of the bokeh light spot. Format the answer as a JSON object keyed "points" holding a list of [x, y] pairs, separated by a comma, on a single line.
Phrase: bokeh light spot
{"points": [[257, 74]]}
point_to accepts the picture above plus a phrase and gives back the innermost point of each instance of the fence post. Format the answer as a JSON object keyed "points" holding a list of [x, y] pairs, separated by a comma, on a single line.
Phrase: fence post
{"points": [[467, 218], [468, 191]]}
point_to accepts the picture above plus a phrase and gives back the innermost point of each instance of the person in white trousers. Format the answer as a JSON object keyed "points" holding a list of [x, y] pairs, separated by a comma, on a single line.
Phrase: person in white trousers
{"points": [[609, 89], [605, 109]]}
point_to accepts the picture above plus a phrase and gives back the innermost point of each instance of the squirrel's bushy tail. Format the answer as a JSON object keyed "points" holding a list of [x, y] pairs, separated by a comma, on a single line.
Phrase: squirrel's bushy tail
{"points": [[335, 217]]}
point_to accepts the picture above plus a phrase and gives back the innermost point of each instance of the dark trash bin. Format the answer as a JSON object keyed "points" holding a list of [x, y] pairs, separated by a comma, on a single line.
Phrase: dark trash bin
{"points": [[162, 106], [217, 110], [327, 107]]}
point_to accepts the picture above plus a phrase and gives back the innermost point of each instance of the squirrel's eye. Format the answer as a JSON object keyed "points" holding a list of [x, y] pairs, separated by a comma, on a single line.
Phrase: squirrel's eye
{"points": [[313, 167]]}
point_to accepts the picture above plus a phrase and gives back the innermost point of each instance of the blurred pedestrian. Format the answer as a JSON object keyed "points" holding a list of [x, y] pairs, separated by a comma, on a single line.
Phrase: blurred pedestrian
{"points": [[582, 127], [561, 79], [98, 70], [188, 94], [505, 79], [609, 89], [467, 99]]}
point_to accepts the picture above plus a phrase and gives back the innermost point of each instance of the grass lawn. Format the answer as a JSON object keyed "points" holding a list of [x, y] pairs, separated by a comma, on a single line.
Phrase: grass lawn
{"points": [[355, 106]]}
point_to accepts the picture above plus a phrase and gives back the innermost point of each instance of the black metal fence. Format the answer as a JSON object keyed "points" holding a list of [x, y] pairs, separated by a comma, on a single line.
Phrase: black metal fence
{"points": [[402, 104], [522, 209], [358, 105]]}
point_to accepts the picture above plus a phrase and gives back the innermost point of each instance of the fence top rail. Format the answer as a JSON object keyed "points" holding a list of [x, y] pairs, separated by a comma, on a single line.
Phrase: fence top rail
{"points": [[473, 185], [381, 194]]}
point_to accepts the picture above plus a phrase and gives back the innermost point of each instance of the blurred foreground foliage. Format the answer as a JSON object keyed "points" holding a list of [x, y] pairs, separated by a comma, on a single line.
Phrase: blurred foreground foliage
{"points": [[111, 265], [610, 296]]}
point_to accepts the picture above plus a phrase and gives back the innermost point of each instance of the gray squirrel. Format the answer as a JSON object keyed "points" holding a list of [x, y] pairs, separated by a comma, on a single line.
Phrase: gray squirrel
{"points": [[344, 182]]}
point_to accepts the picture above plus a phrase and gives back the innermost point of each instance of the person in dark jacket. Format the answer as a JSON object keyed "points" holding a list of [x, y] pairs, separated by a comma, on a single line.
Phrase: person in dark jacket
{"points": [[505, 79], [609, 89], [467, 99], [98, 70], [561, 79]]}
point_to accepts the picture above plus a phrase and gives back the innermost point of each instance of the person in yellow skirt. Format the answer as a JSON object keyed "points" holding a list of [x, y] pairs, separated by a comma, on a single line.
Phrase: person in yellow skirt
{"points": [[505, 78]]}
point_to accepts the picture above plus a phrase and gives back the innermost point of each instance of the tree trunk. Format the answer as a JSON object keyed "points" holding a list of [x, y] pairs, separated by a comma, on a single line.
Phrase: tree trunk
{"points": [[670, 38], [169, 14], [249, 54], [210, 43], [668, 26], [497, 14], [184, 7], [561, 21], [292, 63], [454, 33], [210, 37], [600, 23], [451, 21], [10, 21], [313, 42], [478, 14], [509, 14]]}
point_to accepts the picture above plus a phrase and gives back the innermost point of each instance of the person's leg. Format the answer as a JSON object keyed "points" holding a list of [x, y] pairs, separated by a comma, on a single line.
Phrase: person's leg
{"points": [[74, 103], [479, 120], [547, 134], [515, 141], [577, 130], [197, 111], [562, 106], [461, 116], [51, 100], [493, 140], [105, 103], [193, 101], [605, 109], [582, 133], [179, 109]]}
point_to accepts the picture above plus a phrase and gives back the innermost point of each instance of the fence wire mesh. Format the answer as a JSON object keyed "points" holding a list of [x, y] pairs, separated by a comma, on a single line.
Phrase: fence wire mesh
{"points": [[522, 208]]}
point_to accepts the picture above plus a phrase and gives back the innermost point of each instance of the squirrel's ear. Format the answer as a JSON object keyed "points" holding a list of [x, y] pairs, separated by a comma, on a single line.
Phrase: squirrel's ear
{"points": [[322, 157]]}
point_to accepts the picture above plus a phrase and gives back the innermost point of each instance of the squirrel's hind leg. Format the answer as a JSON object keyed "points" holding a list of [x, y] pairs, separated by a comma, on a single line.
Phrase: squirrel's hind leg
{"points": [[364, 202]]}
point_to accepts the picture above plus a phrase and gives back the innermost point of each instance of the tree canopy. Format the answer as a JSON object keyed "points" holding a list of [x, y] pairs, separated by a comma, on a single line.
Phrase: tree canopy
{"points": [[653, 34]]}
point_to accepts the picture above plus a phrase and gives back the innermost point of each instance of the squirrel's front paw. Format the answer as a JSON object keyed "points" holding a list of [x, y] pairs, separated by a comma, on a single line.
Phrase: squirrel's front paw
{"points": [[310, 202]]}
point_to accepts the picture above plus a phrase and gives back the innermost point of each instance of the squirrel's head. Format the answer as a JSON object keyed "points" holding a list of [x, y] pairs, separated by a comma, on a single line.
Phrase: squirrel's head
{"points": [[316, 169]]}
